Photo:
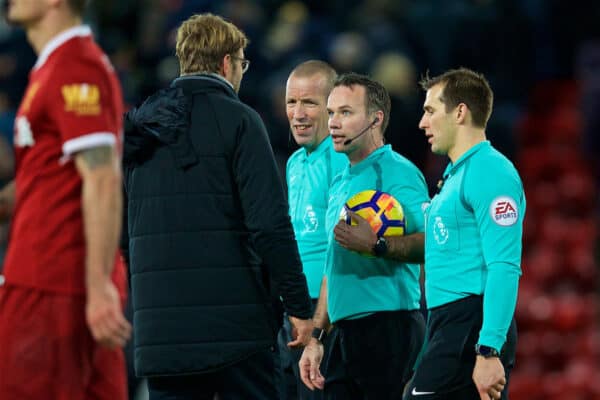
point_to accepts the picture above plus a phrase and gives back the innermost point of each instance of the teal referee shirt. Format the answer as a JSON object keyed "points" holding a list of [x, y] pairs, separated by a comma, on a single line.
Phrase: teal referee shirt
{"points": [[308, 179], [358, 285], [473, 239]]}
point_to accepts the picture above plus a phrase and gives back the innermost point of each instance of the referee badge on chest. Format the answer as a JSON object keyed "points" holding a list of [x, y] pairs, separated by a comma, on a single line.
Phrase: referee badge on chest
{"points": [[311, 222], [440, 231]]}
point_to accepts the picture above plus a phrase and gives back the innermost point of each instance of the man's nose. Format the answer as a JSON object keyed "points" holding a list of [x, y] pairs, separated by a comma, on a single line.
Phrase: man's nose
{"points": [[299, 112]]}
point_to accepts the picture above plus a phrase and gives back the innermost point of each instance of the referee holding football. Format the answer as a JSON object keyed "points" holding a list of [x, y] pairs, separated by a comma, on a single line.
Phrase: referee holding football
{"points": [[373, 301], [472, 249]]}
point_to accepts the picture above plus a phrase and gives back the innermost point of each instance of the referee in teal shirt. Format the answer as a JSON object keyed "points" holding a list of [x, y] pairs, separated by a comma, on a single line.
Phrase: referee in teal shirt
{"points": [[309, 173], [372, 301], [473, 241]]}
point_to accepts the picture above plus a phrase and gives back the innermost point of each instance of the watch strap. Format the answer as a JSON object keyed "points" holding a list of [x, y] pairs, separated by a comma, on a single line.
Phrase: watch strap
{"points": [[319, 333]]}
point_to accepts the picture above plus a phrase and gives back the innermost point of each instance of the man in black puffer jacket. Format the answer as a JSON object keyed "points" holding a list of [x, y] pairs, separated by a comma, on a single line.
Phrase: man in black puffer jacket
{"points": [[208, 238]]}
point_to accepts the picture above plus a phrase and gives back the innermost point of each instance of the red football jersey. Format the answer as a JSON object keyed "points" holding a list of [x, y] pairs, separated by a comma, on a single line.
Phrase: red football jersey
{"points": [[73, 102]]}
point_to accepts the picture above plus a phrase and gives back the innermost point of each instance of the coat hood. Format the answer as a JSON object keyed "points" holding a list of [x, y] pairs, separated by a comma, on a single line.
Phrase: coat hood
{"points": [[162, 120]]}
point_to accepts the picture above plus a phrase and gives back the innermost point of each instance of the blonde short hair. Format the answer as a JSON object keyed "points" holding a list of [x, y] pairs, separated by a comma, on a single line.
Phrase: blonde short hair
{"points": [[203, 40]]}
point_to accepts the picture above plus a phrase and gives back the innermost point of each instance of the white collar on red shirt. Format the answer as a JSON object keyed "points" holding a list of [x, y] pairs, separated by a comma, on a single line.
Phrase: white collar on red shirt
{"points": [[58, 40]]}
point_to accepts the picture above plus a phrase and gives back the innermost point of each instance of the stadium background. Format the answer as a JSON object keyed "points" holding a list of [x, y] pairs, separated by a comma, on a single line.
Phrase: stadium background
{"points": [[542, 58]]}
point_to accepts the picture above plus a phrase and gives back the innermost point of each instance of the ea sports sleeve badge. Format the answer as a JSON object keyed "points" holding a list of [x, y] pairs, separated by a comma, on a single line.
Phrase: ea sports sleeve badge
{"points": [[504, 211]]}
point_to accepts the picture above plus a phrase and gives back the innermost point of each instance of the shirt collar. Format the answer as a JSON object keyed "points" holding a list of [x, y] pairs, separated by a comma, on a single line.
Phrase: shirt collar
{"points": [[221, 78], [201, 75], [321, 148], [454, 166], [60, 39], [370, 159]]}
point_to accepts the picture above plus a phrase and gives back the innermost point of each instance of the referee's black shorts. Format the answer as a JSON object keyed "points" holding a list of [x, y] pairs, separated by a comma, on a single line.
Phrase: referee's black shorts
{"points": [[372, 357], [445, 368]]}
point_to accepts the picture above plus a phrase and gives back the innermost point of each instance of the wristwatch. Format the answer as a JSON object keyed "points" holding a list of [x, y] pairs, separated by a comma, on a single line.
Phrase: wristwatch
{"points": [[319, 333], [380, 247], [486, 351]]}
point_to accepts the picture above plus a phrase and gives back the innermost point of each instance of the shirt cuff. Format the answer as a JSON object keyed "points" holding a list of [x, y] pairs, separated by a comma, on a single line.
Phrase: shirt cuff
{"points": [[85, 142]]}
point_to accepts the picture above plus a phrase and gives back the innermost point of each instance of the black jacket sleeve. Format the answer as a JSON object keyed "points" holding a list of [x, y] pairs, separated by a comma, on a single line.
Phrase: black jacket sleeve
{"points": [[266, 214], [128, 128], [124, 240]]}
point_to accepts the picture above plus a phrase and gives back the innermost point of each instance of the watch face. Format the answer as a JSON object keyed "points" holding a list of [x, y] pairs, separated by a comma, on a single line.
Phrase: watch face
{"points": [[380, 247], [486, 351]]}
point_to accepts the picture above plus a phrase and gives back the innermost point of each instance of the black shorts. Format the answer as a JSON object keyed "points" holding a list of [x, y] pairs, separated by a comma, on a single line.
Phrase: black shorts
{"points": [[445, 368], [372, 357]]}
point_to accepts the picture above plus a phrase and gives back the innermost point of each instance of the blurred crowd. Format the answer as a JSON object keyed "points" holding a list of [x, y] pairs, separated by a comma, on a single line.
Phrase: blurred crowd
{"points": [[515, 43]]}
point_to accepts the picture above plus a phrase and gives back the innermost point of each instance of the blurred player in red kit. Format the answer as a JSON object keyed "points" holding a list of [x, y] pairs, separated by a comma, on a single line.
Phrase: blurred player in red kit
{"points": [[61, 320]]}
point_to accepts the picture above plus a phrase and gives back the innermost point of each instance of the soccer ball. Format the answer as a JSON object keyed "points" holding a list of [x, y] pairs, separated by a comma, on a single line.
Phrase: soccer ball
{"points": [[383, 212]]}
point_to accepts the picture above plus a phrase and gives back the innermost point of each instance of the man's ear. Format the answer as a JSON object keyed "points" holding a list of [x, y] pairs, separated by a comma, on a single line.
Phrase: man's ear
{"points": [[462, 112], [226, 66]]}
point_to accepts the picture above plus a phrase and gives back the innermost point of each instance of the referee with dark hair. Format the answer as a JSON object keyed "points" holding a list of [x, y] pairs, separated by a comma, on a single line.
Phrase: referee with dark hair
{"points": [[473, 236]]}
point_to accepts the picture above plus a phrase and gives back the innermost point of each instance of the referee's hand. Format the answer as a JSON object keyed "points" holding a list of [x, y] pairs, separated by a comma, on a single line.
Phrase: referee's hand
{"points": [[104, 315], [309, 364], [359, 237], [489, 378]]}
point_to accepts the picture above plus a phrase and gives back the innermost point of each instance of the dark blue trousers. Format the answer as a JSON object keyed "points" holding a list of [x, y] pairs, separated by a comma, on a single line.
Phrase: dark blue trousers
{"points": [[256, 377]]}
